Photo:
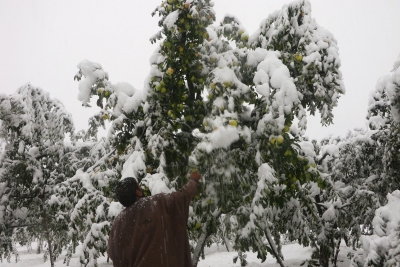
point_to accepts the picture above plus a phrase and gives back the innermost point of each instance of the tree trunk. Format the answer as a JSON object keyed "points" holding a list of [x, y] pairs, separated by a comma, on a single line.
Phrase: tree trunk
{"points": [[227, 244], [324, 255], [48, 237], [199, 247], [337, 253], [273, 246], [39, 245], [202, 240]]}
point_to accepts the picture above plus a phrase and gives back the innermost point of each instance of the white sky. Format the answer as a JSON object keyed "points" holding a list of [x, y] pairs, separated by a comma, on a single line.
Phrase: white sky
{"points": [[42, 41]]}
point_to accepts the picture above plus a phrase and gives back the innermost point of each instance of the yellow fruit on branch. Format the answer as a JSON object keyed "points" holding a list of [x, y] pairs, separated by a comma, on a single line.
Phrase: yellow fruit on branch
{"points": [[279, 139], [170, 71], [286, 129], [288, 153], [233, 123], [298, 57], [244, 38]]}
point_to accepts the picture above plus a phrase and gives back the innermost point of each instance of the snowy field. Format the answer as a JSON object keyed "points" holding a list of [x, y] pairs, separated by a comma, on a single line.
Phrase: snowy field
{"points": [[214, 256]]}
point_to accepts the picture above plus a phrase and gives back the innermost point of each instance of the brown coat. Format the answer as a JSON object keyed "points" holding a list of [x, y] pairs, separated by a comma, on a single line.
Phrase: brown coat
{"points": [[152, 232]]}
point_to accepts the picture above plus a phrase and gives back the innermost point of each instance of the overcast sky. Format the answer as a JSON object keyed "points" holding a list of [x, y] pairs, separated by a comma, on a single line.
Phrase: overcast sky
{"points": [[41, 42]]}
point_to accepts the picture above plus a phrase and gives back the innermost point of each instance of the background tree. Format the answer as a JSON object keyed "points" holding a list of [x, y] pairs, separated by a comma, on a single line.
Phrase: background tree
{"points": [[33, 127], [381, 248], [352, 165]]}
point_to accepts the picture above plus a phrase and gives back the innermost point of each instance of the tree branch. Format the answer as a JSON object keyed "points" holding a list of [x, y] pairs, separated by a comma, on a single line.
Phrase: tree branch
{"points": [[22, 225], [202, 239], [273, 247], [41, 156]]}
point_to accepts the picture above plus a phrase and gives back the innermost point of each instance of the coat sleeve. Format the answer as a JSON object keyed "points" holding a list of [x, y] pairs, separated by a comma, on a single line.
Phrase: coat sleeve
{"points": [[178, 202]]}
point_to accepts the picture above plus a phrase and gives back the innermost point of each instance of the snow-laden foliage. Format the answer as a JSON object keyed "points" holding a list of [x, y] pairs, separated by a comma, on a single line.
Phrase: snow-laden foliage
{"points": [[86, 196], [376, 170], [392, 84], [383, 118], [231, 106], [383, 247], [309, 51], [32, 162], [228, 112], [363, 169], [353, 167]]}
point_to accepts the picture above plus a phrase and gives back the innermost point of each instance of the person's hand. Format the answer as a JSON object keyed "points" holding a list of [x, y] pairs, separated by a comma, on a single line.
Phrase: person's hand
{"points": [[195, 176]]}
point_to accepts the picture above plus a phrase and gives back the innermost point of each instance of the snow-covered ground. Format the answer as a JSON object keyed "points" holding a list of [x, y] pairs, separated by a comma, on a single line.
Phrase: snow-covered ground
{"points": [[215, 256]]}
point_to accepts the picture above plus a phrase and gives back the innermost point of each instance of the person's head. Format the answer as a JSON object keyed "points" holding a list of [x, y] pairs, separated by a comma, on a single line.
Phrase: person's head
{"points": [[128, 191]]}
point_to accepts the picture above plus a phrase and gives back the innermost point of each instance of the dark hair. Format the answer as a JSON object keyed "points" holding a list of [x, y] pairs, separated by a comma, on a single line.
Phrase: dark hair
{"points": [[126, 191]]}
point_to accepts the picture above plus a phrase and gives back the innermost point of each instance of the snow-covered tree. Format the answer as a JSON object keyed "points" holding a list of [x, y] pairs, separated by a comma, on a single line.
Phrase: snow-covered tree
{"points": [[33, 127], [383, 117], [86, 200], [363, 169], [267, 155], [381, 248], [231, 106], [352, 166]]}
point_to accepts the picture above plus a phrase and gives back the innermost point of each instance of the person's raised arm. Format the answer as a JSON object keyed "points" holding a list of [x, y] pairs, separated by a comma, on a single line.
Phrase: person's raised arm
{"points": [[178, 202]]}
